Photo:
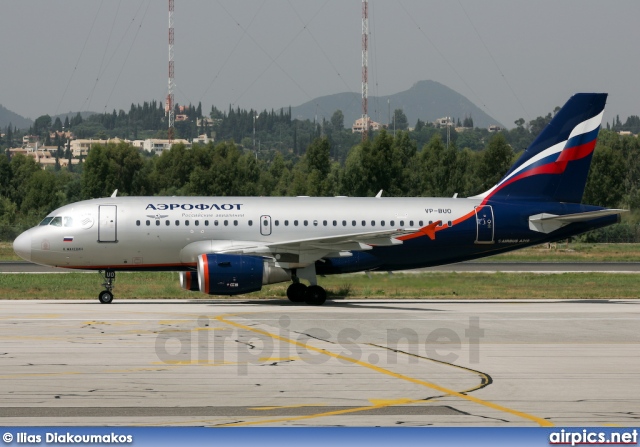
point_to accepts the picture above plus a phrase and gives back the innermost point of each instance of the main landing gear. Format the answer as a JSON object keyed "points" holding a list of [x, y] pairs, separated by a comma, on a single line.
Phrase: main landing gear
{"points": [[314, 295], [106, 296]]}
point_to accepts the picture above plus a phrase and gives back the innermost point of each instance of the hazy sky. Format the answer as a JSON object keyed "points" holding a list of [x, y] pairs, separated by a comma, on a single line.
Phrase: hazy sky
{"points": [[512, 58]]}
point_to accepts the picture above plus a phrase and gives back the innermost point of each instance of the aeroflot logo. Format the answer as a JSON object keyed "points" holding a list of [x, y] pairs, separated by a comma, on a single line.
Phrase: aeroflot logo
{"points": [[190, 206]]}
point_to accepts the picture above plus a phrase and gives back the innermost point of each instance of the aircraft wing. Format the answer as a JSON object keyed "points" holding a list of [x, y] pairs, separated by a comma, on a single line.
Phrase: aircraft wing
{"points": [[546, 223], [307, 251]]}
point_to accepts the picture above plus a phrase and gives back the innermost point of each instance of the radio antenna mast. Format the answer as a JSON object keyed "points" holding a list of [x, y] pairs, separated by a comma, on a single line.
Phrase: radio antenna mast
{"points": [[169, 106], [365, 66]]}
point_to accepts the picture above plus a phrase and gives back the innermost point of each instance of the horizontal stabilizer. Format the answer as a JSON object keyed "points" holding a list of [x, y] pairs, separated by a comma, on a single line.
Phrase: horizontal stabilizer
{"points": [[546, 223]]}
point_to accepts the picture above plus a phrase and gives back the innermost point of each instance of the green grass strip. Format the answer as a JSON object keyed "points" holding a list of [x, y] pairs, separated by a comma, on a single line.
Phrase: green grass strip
{"points": [[431, 285]]}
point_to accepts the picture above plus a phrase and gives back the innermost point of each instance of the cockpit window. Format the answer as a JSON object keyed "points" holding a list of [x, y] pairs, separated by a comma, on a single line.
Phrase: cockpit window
{"points": [[56, 221], [46, 221], [68, 221]]}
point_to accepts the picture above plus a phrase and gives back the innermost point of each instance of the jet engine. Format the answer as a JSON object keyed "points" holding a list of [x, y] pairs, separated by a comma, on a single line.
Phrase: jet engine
{"points": [[228, 274]]}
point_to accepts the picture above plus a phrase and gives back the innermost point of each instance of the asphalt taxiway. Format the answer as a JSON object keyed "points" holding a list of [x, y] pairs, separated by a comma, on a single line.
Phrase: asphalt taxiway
{"points": [[350, 362]]}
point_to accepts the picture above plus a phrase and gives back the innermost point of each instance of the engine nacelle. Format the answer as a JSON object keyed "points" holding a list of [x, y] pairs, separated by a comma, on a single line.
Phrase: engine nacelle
{"points": [[223, 274], [189, 281]]}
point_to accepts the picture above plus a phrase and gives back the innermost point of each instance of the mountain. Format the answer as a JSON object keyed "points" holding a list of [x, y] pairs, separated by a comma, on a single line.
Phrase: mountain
{"points": [[426, 100], [8, 117]]}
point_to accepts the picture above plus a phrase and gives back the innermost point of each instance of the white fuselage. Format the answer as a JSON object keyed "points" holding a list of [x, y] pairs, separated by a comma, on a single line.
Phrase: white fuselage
{"points": [[151, 232]]}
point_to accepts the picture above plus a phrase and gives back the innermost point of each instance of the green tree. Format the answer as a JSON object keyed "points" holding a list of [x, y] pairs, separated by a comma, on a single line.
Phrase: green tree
{"points": [[22, 168], [41, 194], [42, 124], [337, 120], [495, 161], [97, 178], [537, 125], [604, 186], [400, 121], [5, 175]]}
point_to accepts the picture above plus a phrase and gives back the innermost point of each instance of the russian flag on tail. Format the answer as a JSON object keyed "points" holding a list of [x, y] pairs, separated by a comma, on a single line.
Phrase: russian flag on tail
{"points": [[555, 166]]}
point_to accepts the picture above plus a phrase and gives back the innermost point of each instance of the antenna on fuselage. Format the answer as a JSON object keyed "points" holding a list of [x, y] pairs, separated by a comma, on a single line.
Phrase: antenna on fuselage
{"points": [[115, 193]]}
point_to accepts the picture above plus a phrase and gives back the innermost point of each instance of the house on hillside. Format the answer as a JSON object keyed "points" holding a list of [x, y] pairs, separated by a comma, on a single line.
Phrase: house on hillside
{"points": [[358, 126], [157, 145], [81, 147]]}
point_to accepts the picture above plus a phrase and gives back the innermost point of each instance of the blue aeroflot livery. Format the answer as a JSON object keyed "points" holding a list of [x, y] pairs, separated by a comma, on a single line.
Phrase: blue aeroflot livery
{"points": [[235, 245]]}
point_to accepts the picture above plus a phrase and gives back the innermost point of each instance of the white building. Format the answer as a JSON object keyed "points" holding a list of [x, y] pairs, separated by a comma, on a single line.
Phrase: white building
{"points": [[444, 122], [358, 126], [157, 145], [81, 147], [203, 139]]}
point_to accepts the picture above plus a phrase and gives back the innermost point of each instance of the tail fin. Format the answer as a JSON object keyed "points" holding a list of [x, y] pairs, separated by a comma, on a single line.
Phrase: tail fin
{"points": [[555, 166]]}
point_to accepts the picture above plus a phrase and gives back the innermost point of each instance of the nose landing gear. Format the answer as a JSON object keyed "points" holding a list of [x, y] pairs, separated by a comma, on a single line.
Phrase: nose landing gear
{"points": [[106, 296]]}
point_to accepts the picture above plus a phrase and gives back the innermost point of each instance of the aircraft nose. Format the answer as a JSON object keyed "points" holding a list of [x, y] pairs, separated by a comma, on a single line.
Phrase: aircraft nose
{"points": [[22, 246]]}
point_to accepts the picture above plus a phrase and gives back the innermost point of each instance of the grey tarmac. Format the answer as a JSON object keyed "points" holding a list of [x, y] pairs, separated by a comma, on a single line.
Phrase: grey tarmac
{"points": [[352, 362]]}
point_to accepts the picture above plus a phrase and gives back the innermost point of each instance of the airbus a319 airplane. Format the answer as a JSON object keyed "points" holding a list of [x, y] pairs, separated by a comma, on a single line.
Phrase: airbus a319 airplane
{"points": [[235, 245]]}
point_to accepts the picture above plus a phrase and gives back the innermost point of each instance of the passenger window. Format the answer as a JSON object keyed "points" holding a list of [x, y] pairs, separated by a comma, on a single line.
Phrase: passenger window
{"points": [[157, 223], [46, 221], [197, 222], [277, 222], [215, 222], [226, 223], [392, 223], [206, 223], [265, 223], [353, 223], [373, 223], [306, 223], [68, 221], [148, 223], [421, 223], [449, 223], [363, 223], [235, 223], [250, 223], [186, 222], [410, 223], [344, 223], [295, 223], [402, 223], [137, 222], [286, 223], [315, 223], [382, 223], [167, 223], [56, 222], [324, 222], [177, 223]]}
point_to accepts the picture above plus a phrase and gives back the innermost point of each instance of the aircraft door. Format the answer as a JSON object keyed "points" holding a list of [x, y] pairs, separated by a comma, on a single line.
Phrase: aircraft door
{"points": [[265, 225], [485, 224], [107, 223]]}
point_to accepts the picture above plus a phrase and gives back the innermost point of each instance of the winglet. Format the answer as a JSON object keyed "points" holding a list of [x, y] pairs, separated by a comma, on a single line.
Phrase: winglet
{"points": [[429, 231]]}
